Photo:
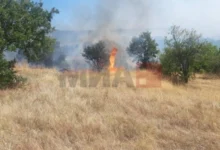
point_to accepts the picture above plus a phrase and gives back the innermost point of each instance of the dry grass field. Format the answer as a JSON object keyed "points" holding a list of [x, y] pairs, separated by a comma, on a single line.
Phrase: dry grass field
{"points": [[43, 116]]}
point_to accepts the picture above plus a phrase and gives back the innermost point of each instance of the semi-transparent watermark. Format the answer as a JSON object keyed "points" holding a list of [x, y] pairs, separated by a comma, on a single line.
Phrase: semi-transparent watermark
{"points": [[139, 78]]}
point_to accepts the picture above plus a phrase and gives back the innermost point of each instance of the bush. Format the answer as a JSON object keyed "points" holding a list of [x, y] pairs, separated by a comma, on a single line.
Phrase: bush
{"points": [[143, 49], [97, 56], [207, 59], [8, 77], [181, 49]]}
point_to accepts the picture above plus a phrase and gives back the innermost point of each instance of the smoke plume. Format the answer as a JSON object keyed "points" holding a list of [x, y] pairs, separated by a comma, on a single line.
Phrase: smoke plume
{"points": [[114, 22]]}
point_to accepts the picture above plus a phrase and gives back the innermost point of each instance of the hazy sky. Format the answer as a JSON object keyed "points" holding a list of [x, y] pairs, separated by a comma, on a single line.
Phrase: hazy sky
{"points": [[155, 15]]}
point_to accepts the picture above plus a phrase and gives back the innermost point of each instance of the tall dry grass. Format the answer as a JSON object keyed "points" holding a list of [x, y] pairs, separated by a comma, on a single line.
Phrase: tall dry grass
{"points": [[42, 116]]}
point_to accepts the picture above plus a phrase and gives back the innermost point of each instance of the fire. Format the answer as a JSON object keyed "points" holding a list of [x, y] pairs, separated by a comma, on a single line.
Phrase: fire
{"points": [[112, 59]]}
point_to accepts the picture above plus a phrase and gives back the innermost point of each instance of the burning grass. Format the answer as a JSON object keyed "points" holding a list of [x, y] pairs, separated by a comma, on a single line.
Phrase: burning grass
{"points": [[41, 115]]}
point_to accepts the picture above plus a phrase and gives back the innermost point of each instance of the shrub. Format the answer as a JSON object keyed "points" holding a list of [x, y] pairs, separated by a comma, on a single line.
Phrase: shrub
{"points": [[8, 77]]}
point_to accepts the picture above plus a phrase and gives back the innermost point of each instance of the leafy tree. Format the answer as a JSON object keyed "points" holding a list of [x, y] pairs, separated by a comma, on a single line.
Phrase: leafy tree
{"points": [[25, 26], [217, 64], [207, 59], [181, 49], [97, 56], [143, 49]]}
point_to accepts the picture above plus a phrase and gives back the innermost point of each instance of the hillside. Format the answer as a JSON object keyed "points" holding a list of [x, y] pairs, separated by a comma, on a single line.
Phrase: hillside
{"points": [[43, 116]]}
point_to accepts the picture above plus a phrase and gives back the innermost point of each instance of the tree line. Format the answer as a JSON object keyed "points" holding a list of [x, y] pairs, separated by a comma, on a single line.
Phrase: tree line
{"points": [[25, 27], [185, 53]]}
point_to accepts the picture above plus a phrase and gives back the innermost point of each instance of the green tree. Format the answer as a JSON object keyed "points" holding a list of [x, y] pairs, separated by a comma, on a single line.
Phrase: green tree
{"points": [[207, 59], [181, 49], [217, 63], [97, 56], [25, 26], [143, 49]]}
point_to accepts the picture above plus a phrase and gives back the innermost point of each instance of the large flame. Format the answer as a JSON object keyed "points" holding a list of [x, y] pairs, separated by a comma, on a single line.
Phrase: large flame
{"points": [[112, 59]]}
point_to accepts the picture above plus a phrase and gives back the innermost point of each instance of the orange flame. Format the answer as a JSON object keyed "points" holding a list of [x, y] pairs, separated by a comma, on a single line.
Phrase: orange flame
{"points": [[112, 59]]}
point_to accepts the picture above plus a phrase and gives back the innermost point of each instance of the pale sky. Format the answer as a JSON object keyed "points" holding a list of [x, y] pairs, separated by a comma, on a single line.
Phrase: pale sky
{"points": [[155, 15]]}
